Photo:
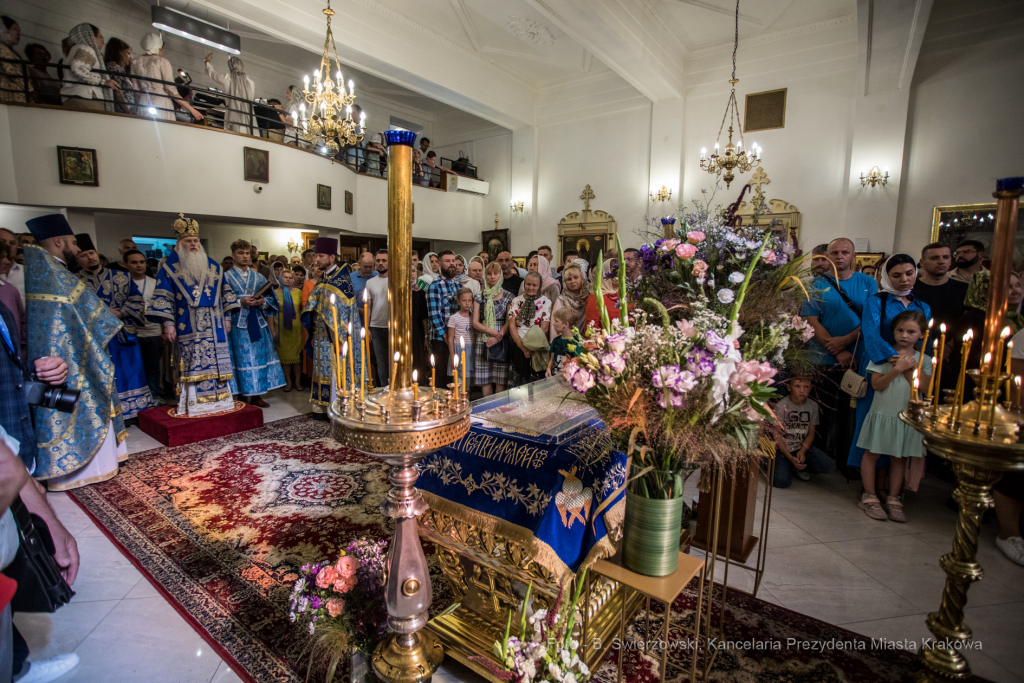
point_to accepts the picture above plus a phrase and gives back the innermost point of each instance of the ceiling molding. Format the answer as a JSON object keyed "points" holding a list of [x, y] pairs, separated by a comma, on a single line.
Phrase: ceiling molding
{"points": [[459, 7], [824, 25], [522, 55], [663, 23], [720, 10], [588, 60], [577, 80], [531, 31]]}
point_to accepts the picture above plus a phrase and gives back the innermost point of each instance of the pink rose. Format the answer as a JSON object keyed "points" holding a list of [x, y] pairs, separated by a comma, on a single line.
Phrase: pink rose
{"points": [[345, 583], [326, 577], [695, 236], [347, 565], [335, 606], [686, 251], [669, 245], [700, 268]]}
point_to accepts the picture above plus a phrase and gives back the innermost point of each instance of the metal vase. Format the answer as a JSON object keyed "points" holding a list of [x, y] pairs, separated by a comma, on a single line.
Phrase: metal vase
{"points": [[650, 534]]}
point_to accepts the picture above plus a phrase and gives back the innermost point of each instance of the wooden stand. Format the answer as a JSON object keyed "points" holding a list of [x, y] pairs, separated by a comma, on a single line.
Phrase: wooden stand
{"points": [[742, 528]]}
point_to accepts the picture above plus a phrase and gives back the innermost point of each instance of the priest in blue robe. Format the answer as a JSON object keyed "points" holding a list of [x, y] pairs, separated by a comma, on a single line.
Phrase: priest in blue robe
{"points": [[257, 367], [318, 319], [192, 302], [116, 289], [67, 320]]}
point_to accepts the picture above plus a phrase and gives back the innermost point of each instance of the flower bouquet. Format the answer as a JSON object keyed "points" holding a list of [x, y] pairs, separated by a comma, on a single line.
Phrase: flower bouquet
{"points": [[343, 603], [549, 653]]}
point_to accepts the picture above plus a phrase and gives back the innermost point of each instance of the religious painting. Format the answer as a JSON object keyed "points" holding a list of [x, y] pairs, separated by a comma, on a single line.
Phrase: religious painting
{"points": [[256, 163], [323, 196], [264, 256], [494, 242], [520, 261], [309, 239], [589, 245], [348, 202], [869, 260], [951, 225], [77, 166]]}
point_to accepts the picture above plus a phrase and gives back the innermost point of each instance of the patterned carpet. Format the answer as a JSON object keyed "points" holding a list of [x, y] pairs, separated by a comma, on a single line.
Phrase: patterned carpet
{"points": [[221, 526]]}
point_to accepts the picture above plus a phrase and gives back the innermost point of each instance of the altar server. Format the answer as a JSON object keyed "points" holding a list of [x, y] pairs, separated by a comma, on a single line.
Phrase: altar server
{"points": [[319, 320], [257, 368], [116, 289], [192, 302], [67, 320]]}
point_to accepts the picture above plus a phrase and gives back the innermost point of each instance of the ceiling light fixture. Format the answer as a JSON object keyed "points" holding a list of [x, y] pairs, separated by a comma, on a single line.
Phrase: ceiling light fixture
{"points": [[194, 28], [733, 157]]}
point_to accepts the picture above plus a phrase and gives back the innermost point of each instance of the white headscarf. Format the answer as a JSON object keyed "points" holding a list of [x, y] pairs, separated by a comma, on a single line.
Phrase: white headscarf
{"points": [[464, 278], [584, 266], [887, 284], [83, 35], [243, 85], [152, 42], [428, 274]]}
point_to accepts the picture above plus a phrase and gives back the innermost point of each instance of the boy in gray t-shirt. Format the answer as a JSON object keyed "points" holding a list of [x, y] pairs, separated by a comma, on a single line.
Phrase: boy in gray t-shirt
{"points": [[798, 417]]}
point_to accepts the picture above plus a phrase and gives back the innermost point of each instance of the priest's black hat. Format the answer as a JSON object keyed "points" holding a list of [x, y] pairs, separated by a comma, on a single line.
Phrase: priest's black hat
{"points": [[50, 225]]}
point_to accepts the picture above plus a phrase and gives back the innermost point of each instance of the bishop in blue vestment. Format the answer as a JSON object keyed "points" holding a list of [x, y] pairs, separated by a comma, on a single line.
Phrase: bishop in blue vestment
{"points": [[257, 367], [192, 302], [116, 289]]}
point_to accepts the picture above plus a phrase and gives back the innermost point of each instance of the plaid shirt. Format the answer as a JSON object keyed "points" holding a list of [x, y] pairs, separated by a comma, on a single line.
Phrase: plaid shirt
{"points": [[440, 294]]}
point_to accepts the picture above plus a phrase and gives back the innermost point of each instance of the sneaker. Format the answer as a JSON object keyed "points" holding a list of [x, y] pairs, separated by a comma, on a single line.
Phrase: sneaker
{"points": [[50, 669], [895, 509], [872, 508], [1013, 548], [802, 475]]}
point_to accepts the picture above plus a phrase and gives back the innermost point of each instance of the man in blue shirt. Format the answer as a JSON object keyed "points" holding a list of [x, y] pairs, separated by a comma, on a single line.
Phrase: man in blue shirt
{"points": [[439, 306], [834, 311], [361, 275]]}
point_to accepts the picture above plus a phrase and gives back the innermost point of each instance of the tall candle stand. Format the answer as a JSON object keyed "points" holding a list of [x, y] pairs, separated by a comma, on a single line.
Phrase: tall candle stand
{"points": [[982, 440], [401, 425]]}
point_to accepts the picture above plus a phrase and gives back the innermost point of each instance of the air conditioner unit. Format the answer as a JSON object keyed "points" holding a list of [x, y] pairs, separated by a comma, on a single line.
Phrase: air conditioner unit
{"points": [[458, 183]]}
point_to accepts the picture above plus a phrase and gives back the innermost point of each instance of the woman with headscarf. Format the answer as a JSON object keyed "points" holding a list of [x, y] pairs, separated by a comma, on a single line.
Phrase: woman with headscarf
{"points": [[575, 294], [610, 292], [490, 308], [238, 86], [12, 76], [472, 275], [160, 97], [549, 285], [429, 271], [529, 320], [83, 89], [898, 275]]}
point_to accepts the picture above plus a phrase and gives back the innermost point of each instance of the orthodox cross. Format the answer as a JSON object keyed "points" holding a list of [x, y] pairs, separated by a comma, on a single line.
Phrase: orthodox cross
{"points": [[587, 195], [759, 178]]}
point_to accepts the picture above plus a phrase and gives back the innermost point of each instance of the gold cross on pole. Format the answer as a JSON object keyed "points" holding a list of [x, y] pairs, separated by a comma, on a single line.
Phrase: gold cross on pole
{"points": [[587, 195]]}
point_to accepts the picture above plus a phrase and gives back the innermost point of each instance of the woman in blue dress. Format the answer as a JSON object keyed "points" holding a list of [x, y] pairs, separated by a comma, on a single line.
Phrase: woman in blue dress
{"points": [[899, 273]]}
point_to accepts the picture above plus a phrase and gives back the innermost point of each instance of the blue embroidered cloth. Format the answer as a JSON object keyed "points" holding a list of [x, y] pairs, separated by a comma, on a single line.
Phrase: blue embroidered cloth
{"points": [[558, 500]]}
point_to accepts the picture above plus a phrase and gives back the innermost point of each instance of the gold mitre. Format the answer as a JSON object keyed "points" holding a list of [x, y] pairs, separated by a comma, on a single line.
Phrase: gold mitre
{"points": [[185, 227]]}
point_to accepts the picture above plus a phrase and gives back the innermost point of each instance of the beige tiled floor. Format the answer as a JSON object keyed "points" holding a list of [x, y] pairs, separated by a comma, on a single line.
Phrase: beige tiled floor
{"points": [[824, 559]]}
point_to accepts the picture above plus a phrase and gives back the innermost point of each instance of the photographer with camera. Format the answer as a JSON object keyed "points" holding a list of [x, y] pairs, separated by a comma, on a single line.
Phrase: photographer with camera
{"points": [[82, 429]]}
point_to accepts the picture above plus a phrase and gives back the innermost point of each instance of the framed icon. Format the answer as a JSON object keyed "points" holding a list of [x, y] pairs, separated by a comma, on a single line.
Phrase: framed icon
{"points": [[323, 196], [348, 201], [77, 166], [257, 164]]}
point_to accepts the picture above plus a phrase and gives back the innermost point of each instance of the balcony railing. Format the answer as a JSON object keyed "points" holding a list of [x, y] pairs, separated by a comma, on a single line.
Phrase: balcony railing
{"points": [[249, 117]]}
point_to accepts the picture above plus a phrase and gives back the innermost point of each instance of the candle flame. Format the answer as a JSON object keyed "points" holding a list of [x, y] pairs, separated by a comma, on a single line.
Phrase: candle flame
{"points": [[350, 328], [462, 340], [431, 360], [930, 322], [969, 336], [455, 361], [362, 333], [1005, 333], [942, 328], [365, 294], [414, 376], [397, 356], [1016, 380], [344, 349], [332, 299], [988, 358]]}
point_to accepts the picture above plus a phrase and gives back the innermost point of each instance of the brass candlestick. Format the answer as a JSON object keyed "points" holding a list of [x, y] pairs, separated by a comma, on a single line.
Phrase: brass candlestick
{"points": [[978, 460], [391, 426]]}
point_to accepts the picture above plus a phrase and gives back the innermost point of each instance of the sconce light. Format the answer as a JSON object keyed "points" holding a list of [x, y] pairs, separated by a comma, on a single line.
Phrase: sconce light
{"points": [[662, 195], [294, 247], [516, 207], [874, 177]]}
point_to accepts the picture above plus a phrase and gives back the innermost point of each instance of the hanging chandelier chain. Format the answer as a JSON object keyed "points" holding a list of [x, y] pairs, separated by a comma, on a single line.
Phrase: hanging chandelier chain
{"points": [[736, 40]]}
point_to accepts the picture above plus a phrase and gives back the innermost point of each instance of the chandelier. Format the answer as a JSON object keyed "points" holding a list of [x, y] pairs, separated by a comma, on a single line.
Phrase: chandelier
{"points": [[733, 157], [329, 124]]}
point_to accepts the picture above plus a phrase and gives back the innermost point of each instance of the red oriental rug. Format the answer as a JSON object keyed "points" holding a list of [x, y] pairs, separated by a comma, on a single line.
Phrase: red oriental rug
{"points": [[220, 528]]}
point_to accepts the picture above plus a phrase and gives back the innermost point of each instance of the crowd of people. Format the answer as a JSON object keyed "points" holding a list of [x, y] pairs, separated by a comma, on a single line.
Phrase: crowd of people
{"points": [[872, 323]]}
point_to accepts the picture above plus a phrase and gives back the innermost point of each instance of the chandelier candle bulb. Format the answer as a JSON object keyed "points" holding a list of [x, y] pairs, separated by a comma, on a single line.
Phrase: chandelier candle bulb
{"points": [[924, 346]]}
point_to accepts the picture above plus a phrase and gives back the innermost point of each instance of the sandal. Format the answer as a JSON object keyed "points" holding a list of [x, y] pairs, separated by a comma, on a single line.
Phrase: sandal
{"points": [[895, 509], [871, 507]]}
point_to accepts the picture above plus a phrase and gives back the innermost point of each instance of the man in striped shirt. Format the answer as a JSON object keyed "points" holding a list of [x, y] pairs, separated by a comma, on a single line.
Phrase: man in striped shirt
{"points": [[440, 295]]}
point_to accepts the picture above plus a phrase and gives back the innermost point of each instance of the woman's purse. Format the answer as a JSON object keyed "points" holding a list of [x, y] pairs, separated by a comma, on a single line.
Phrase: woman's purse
{"points": [[853, 383], [41, 587], [499, 353]]}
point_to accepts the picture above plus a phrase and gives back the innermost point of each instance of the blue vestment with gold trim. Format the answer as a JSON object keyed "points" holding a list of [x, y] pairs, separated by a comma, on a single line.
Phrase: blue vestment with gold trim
{"points": [[319, 323], [197, 308], [67, 320], [257, 368], [116, 289]]}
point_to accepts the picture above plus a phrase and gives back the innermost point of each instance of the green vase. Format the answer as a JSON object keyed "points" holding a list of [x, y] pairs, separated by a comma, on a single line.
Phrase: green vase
{"points": [[650, 534]]}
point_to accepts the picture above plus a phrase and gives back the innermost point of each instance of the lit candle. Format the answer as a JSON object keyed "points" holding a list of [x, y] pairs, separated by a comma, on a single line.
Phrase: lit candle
{"points": [[394, 375], [455, 372], [1009, 352], [362, 365], [915, 385], [465, 368], [997, 366], [958, 395], [433, 379], [1016, 380], [339, 372], [924, 345], [351, 355], [415, 386], [985, 367], [366, 307], [931, 380], [344, 352], [937, 375]]}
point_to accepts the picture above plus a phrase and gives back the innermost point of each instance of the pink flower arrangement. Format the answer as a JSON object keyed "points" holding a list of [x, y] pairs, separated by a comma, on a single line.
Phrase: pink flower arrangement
{"points": [[335, 606], [347, 565], [669, 245], [695, 236], [686, 251], [327, 577], [700, 268]]}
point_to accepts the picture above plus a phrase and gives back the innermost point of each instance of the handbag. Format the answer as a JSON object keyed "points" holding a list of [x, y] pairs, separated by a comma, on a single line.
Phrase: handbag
{"points": [[41, 588], [499, 352], [853, 383]]}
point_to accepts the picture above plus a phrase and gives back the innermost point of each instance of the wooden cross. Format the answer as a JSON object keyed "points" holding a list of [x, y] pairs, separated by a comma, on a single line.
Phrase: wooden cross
{"points": [[587, 195], [759, 177]]}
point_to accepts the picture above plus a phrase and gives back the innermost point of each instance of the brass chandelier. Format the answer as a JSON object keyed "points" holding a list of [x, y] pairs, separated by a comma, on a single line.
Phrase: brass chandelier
{"points": [[722, 163], [329, 123]]}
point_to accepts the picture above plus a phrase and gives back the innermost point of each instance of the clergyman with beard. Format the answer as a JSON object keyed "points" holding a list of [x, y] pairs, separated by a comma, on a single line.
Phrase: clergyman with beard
{"points": [[968, 259], [193, 302]]}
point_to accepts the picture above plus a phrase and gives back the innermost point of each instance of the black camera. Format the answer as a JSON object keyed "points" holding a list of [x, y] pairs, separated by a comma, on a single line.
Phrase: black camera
{"points": [[59, 398]]}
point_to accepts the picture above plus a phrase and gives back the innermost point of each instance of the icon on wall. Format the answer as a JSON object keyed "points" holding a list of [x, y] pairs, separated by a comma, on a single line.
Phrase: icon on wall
{"points": [[77, 166], [257, 165], [348, 202], [323, 196], [495, 242]]}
